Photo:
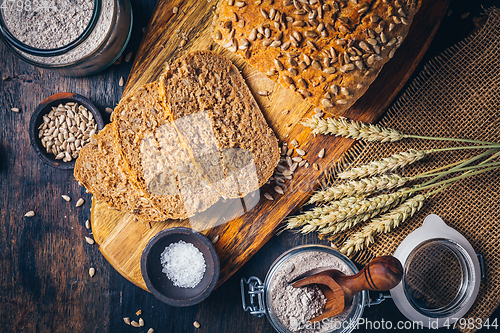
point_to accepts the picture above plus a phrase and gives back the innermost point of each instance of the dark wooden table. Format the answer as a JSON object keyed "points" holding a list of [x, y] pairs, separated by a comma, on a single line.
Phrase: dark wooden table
{"points": [[44, 280]]}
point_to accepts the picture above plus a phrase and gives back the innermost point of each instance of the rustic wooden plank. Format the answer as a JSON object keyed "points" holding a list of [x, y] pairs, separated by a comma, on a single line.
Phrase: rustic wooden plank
{"points": [[243, 236]]}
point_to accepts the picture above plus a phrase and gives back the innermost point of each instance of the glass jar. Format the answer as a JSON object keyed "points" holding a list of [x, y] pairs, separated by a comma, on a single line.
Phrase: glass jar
{"points": [[99, 45], [256, 296], [442, 274]]}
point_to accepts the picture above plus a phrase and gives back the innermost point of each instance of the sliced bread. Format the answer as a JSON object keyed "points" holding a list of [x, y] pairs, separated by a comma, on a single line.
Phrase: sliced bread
{"points": [[99, 168], [205, 88], [136, 119]]}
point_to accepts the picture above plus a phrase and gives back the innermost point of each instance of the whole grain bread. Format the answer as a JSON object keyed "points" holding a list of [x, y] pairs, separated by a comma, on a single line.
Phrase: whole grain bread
{"points": [[181, 145], [99, 168], [328, 52], [135, 120], [203, 88]]}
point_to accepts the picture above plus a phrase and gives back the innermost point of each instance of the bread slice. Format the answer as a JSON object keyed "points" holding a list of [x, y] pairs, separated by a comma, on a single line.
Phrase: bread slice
{"points": [[136, 119], [99, 168], [177, 163], [214, 112], [327, 52]]}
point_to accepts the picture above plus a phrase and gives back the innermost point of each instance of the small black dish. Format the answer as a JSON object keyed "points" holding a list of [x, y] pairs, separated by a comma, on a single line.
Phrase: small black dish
{"points": [[160, 285], [37, 119]]}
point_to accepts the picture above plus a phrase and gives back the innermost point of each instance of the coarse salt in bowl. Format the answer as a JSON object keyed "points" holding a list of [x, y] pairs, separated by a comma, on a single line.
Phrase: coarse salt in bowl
{"points": [[189, 284]]}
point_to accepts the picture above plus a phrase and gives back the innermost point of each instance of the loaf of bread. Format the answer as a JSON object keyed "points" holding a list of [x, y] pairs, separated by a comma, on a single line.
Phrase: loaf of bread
{"points": [[99, 168], [328, 52], [182, 143]]}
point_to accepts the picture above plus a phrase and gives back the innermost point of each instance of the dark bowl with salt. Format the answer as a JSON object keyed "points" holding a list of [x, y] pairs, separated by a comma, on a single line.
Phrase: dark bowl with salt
{"points": [[172, 291]]}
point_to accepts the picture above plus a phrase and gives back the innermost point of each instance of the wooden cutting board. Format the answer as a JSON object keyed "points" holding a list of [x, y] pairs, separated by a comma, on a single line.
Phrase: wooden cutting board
{"points": [[241, 233]]}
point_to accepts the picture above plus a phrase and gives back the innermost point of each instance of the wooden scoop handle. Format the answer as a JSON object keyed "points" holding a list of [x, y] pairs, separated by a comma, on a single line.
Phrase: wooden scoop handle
{"points": [[381, 274]]}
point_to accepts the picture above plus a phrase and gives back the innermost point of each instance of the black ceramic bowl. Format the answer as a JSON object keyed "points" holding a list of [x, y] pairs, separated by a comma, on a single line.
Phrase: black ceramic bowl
{"points": [[160, 285], [37, 119]]}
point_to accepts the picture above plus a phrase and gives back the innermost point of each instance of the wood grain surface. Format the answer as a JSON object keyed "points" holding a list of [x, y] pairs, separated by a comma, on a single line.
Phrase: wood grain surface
{"points": [[122, 241], [44, 281]]}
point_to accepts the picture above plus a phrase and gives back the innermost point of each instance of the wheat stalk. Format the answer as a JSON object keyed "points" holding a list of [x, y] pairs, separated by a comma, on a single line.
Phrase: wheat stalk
{"points": [[366, 132], [384, 223], [352, 129], [306, 217], [334, 215], [335, 228], [362, 186], [385, 165]]}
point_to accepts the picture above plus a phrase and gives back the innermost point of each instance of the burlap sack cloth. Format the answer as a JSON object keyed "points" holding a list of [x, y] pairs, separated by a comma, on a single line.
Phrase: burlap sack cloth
{"points": [[456, 95]]}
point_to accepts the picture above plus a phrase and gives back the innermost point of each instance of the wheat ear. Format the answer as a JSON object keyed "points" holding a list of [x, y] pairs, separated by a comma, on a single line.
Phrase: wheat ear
{"points": [[387, 164], [335, 228], [352, 129], [306, 217], [362, 186], [335, 215], [384, 223]]}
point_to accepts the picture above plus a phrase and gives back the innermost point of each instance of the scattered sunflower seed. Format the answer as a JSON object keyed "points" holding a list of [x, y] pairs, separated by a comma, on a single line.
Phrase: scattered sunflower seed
{"points": [[80, 202], [465, 15], [30, 214], [16, 110], [300, 152], [294, 143], [151, 330], [139, 312], [315, 166], [89, 240], [91, 271], [141, 322], [321, 153], [87, 224], [128, 57], [263, 93], [279, 190], [109, 110], [215, 239], [126, 320], [121, 82], [134, 323], [268, 196], [175, 10], [196, 324], [65, 197]]}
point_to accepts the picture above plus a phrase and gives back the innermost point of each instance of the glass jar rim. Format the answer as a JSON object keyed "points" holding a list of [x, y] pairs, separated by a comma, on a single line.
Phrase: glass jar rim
{"points": [[4, 32]]}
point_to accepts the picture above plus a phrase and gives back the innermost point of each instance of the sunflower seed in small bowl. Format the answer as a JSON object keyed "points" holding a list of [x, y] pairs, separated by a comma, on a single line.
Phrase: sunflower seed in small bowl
{"points": [[61, 125]]}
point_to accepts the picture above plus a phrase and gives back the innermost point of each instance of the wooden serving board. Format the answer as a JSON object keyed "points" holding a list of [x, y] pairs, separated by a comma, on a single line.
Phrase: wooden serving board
{"points": [[121, 240]]}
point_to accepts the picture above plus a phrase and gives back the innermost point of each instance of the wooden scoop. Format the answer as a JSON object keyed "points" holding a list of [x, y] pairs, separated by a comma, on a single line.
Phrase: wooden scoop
{"points": [[381, 274]]}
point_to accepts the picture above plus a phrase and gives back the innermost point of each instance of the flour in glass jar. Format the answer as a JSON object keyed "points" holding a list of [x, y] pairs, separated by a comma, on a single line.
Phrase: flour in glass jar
{"points": [[295, 307], [47, 24]]}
